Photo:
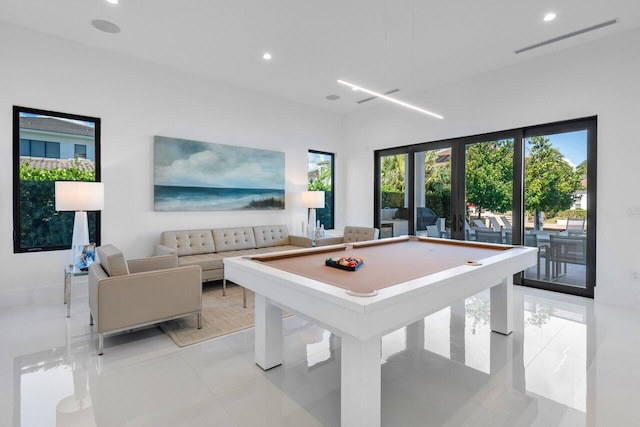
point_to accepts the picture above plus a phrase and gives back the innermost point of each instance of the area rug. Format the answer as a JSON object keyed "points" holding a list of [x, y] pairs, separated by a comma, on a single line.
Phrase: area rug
{"points": [[220, 316]]}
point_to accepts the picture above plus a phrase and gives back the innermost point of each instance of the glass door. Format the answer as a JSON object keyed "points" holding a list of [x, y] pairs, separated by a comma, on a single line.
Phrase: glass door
{"points": [[532, 186], [394, 202], [488, 190], [559, 211], [433, 192]]}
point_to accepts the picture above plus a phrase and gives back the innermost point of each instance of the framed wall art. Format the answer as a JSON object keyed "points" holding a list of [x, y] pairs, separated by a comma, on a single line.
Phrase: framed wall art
{"points": [[202, 176]]}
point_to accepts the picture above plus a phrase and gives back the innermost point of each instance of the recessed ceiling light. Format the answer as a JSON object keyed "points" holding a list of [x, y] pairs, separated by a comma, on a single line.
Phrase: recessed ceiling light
{"points": [[333, 97], [105, 26], [112, 1], [266, 56], [549, 17]]}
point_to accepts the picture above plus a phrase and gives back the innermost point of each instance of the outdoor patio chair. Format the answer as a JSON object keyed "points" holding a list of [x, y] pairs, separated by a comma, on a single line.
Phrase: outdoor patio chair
{"points": [[488, 236], [531, 240], [479, 223], [575, 224], [469, 232], [433, 231], [505, 222], [566, 250], [494, 223]]}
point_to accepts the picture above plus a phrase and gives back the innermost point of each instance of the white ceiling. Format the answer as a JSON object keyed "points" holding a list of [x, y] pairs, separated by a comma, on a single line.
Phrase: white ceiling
{"points": [[411, 45]]}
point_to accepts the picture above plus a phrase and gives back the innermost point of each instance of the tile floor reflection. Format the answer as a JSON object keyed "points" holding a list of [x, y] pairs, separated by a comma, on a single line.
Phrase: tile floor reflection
{"points": [[569, 362]]}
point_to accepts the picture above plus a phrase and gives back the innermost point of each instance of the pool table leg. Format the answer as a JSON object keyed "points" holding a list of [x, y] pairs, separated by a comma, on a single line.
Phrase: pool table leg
{"points": [[502, 307], [268, 332], [361, 382]]}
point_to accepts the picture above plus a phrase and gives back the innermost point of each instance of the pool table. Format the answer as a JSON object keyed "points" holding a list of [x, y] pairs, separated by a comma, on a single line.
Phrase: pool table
{"points": [[401, 281]]}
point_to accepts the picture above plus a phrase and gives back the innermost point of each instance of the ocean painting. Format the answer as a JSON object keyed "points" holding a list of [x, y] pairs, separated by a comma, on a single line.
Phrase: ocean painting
{"points": [[202, 176]]}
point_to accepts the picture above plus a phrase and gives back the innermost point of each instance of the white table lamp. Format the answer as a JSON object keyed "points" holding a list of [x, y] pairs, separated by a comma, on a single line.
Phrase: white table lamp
{"points": [[312, 200], [79, 196]]}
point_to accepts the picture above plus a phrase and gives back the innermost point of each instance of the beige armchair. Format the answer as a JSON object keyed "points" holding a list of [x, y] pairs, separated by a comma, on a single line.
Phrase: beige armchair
{"points": [[351, 234], [140, 292]]}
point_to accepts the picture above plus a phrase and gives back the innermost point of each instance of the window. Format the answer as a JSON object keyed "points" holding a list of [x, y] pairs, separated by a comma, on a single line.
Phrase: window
{"points": [[34, 148], [533, 186], [49, 147], [320, 171], [80, 151]]}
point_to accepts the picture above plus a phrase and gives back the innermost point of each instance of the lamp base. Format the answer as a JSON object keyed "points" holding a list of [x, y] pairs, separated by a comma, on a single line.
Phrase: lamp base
{"points": [[311, 228], [79, 240]]}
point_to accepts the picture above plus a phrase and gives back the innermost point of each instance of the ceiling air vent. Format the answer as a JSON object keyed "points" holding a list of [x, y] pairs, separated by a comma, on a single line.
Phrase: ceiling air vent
{"points": [[567, 36], [375, 97]]}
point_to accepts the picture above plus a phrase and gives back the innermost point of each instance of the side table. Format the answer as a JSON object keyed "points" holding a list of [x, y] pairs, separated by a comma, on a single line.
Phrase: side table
{"points": [[69, 272]]}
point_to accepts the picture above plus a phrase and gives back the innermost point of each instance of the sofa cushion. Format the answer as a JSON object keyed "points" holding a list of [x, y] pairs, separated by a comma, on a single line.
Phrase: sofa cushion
{"points": [[112, 260], [205, 261], [233, 239], [271, 235], [189, 242]]}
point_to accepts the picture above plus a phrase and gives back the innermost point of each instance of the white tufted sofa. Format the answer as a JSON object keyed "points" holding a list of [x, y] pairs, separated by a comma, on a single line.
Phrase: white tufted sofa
{"points": [[208, 247]]}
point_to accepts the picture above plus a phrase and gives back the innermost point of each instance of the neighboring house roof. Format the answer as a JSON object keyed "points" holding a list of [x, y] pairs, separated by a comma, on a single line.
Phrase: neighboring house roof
{"points": [[43, 163], [443, 157], [51, 124]]}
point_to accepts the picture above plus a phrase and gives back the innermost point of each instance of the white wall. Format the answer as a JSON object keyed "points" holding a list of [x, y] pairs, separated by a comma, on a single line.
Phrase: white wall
{"points": [[137, 100], [600, 78]]}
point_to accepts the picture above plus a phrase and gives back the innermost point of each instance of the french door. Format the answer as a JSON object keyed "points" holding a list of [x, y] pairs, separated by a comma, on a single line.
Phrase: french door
{"points": [[532, 186]]}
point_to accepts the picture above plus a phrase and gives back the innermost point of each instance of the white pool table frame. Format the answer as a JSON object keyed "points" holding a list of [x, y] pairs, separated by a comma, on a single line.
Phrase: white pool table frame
{"points": [[361, 322]]}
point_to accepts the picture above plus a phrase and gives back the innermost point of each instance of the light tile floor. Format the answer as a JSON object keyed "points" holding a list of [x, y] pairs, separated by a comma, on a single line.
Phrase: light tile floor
{"points": [[569, 362]]}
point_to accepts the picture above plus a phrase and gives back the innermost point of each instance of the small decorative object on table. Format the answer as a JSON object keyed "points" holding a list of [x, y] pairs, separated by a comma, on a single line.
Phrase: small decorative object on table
{"points": [[86, 256], [345, 263]]}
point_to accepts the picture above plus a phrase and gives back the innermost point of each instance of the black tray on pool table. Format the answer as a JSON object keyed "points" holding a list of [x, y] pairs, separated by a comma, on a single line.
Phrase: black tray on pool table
{"points": [[334, 264]]}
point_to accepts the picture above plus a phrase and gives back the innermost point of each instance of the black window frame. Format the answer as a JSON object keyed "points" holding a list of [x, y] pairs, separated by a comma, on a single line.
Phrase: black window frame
{"points": [[458, 168], [96, 231]]}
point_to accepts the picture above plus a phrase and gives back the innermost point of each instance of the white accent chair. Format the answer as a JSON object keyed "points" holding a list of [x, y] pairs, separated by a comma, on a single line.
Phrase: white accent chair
{"points": [[128, 294], [351, 234]]}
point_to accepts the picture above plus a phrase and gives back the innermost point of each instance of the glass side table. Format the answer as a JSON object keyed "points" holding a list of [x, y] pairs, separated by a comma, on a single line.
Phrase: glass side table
{"points": [[69, 272]]}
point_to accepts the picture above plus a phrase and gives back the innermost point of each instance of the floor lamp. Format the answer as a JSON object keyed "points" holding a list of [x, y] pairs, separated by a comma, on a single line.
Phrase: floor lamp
{"points": [[79, 196], [312, 200]]}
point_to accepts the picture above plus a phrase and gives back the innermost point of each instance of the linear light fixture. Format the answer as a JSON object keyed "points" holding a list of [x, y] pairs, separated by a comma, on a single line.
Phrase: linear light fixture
{"points": [[390, 99]]}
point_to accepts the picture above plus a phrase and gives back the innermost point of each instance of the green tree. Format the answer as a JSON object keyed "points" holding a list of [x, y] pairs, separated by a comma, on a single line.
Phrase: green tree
{"points": [[550, 182], [393, 173], [323, 183], [437, 185], [437, 194], [489, 175], [581, 169]]}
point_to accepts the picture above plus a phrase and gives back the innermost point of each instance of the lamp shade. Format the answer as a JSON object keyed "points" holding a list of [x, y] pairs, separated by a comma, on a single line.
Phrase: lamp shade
{"points": [[313, 199], [79, 196]]}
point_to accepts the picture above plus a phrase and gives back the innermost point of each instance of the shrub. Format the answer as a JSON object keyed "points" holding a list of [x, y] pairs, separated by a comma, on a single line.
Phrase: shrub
{"points": [[41, 226]]}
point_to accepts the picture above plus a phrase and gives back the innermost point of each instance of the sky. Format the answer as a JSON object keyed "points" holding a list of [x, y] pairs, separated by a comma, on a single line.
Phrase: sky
{"points": [[572, 145]]}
